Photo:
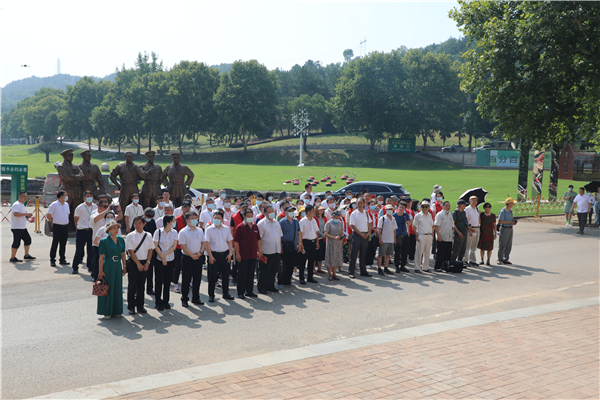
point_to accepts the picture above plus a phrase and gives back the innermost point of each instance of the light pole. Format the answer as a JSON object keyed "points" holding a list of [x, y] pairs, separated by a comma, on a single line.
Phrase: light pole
{"points": [[301, 122]]}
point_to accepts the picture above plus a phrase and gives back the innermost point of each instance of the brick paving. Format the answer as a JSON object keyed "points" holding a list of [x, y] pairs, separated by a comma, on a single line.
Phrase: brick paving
{"points": [[548, 356]]}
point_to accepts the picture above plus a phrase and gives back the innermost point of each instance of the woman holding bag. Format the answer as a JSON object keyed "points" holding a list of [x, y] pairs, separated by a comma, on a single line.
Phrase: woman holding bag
{"points": [[112, 269]]}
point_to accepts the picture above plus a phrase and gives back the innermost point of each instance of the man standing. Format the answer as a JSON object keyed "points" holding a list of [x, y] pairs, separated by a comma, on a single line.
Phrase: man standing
{"points": [[310, 244], [361, 226], [83, 222], [152, 179], [159, 210], [247, 250], [583, 202], [140, 247], [506, 223], [58, 216], [473, 239], [444, 228], [180, 224], [193, 244], [308, 193], [256, 209], [174, 179], [401, 248], [291, 244], [423, 227], [18, 226], [133, 210], [70, 181], [386, 232], [167, 210], [462, 231], [129, 175], [270, 239], [93, 179], [220, 251], [206, 215]]}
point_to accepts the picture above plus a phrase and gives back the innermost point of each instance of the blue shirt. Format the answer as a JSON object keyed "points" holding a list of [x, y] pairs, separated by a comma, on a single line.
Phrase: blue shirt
{"points": [[401, 222], [505, 215], [290, 230]]}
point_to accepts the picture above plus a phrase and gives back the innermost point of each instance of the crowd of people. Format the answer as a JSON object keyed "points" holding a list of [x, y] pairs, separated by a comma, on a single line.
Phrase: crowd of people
{"points": [[268, 240]]}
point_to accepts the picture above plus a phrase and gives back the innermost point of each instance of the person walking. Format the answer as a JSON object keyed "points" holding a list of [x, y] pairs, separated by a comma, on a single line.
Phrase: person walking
{"points": [[309, 232], [18, 227], [270, 239], [386, 232], [472, 213], [247, 250], [361, 226], [444, 229], [597, 206], [58, 216], [423, 227], [506, 222], [193, 244], [291, 244], [140, 247], [165, 243], [220, 253], [334, 253], [403, 220], [568, 208], [112, 268], [462, 231], [583, 202], [487, 225]]}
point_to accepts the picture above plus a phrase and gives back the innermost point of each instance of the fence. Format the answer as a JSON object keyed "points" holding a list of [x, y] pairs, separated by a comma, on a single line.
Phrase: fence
{"points": [[37, 217], [546, 206]]}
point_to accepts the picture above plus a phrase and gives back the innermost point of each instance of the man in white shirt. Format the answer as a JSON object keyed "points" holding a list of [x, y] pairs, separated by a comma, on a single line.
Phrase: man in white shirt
{"points": [[18, 226], [308, 236], [167, 198], [220, 250], [193, 244], [423, 227], [165, 244], [58, 216], [256, 209], [133, 210], [308, 192], [583, 201], [159, 210], [282, 198], [473, 239], [386, 231], [329, 207], [168, 210], [270, 234], [444, 230], [360, 224], [139, 246], [206, 215], [220, 199], [84, 237], [178, 211]]}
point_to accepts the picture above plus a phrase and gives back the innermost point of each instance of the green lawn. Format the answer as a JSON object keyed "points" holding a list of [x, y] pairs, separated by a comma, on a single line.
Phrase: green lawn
{"points": [[267, 170]]}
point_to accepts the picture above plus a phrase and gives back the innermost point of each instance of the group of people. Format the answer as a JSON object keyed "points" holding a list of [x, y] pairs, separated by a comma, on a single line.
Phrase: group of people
{"points": [[585, 205], [262, 238]]}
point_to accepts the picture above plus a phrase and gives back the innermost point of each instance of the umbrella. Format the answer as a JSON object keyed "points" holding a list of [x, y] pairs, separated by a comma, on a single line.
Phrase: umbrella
{"points": [[592, 187], [479, 192]]}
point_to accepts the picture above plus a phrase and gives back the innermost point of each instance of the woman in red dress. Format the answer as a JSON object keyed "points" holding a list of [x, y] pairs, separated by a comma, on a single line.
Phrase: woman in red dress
{"points": [[487, 223]]}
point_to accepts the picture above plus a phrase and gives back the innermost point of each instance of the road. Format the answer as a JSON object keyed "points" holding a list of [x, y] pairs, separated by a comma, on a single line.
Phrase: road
{"points": [[52, 340]]}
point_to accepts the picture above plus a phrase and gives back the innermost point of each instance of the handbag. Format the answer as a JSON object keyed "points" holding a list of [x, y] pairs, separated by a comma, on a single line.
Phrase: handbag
{"points": [[100, 288]]}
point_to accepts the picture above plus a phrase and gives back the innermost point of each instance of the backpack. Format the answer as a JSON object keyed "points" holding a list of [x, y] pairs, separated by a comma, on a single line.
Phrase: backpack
{"points": [[454, 267]]}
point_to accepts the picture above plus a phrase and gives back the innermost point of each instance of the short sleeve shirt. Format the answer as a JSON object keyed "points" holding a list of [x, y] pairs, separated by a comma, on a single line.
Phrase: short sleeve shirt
{"points": [[445, 222], [309, 228], [388, 229], [583, 203], [84, 213], [217, 238], [18, 222], [133, 211], [505, 215], [166, 242], [192, 238], [360, 220], [270, 236], [247, 238], [60, 213], [133, 240], [461, 222]]}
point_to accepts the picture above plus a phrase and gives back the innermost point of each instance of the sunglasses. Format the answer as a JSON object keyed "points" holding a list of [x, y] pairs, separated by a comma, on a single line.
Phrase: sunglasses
{"points": [[487, 207]]}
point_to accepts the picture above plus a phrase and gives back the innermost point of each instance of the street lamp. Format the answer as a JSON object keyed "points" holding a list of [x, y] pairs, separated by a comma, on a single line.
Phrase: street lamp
{"points": [[301, 122]]}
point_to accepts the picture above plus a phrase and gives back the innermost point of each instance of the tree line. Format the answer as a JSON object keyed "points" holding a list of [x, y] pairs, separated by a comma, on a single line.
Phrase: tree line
{"points": [[403, 93]]}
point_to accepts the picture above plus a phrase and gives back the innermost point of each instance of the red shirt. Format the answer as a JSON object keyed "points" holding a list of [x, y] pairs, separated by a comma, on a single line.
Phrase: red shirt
{"points": [[410, 228], [180, 225], [235, 221], [247, 238]]}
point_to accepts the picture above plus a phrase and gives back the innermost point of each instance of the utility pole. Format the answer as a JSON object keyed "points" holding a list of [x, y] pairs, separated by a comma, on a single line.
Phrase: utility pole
{"points": [[363, 47]]}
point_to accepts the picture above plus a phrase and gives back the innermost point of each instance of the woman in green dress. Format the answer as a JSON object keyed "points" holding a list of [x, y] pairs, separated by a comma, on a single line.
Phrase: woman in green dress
{"points": [[112, 269]]}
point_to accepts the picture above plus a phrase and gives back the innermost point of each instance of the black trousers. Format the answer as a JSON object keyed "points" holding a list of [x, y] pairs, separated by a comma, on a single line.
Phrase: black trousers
{"points": [[371, 250], [412, 246], [290, 260], [310, 255], [18, 235], [358, 245], [401, 250], [444, 253], [267, 272], [191, 271], [245, 276], [164, 274], [150, 278], [581, 218], [459, 248], [83, 242], [60, 234], [219, 267], [177, 266], [96, 262], [135, 286]]}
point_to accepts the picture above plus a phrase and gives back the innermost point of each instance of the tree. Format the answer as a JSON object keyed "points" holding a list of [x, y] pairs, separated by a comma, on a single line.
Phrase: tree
{"points": [[42, 118], [247, 99], [348, 54], [47, 148], [108, 118]]}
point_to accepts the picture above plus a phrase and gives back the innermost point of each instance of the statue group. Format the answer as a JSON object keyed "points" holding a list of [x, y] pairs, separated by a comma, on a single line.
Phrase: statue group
{"points": [[76, 179]]}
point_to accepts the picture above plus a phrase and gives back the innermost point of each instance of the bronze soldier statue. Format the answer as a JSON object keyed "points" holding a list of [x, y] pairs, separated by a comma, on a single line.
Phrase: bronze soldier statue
{"points": [[174, 179], [129, 176], [94, 180], [70, 181], [152, 180]]}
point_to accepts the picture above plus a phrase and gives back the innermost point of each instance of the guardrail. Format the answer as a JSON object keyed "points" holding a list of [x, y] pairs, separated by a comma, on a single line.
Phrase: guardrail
{"points": [[534, 205], [37, 217]]}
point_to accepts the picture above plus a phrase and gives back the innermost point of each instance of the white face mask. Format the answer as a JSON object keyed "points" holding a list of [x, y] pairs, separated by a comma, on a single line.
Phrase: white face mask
{"points": [[249, 220], [331, 205], [216, 222], [161, 204], [291, 214], [389, 212], [210, 206], [135, 201], [380, 202], [271, 215]]}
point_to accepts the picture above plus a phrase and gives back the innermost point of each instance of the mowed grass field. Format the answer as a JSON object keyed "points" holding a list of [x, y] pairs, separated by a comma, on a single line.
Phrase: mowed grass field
{"points": [[268, 170]]}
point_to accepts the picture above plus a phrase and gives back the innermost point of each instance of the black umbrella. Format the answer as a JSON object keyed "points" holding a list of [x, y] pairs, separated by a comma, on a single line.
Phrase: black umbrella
{"points": [[592, 187], [479, 192]]}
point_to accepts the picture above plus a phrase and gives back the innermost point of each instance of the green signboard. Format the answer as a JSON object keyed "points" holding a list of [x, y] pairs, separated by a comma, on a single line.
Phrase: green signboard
{"points": [[401, 145], [18, 181]]}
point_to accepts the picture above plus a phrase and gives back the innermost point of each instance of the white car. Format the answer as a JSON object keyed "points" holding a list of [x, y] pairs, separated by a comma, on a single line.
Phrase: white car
{"points": [[198, 198]]}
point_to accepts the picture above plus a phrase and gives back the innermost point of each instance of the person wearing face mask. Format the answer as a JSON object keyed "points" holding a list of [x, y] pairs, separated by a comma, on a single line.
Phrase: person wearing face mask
{"points": [[220, 253], [328, 196], [444, 229], [321, 221], [487, 223], [403, 221], [150, 227], [206, 215], [270, 239], [423, 226], [159, 210], [83, 240], [373, 238], [186, 207], [269, 198], [334, 256], [220, 200], [256, 209], [98, 219], [329, 207], [412, 238], [473, 238], [100, 234], [133, 210], [193, 244], [386, 232], [568, 197], [282, 214], [309, 231], [140, 247], [168, 210], [361, 226], [308, 196], [301, 213], [279, 206], [58, 216], [436, 208], [291, 244], [165, 244], [247, 250]]}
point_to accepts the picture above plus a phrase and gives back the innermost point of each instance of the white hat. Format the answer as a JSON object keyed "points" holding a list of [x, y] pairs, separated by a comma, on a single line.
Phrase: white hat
{"points": [[437, 187], [424, 202]]}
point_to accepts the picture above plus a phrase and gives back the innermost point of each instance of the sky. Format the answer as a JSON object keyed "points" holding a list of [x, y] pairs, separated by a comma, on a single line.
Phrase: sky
{"points": [[95, 37]]}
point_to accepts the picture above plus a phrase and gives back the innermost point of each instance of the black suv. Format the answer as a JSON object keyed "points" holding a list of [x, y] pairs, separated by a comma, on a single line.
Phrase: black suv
{"points": [[385, 189]]}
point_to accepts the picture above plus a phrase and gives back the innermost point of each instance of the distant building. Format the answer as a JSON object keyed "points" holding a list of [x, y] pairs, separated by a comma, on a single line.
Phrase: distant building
{"points": [[578, 165]]}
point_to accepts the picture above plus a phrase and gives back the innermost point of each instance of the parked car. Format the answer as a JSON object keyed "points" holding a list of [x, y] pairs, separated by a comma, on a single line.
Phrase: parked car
{"points": [[52, 184], [484, 147], [455, 148], [386, 189]]}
